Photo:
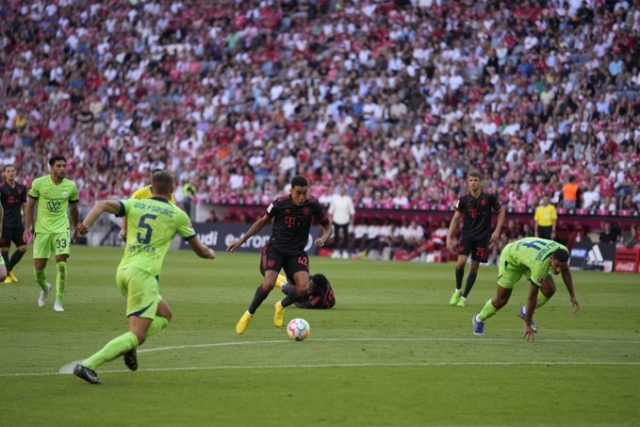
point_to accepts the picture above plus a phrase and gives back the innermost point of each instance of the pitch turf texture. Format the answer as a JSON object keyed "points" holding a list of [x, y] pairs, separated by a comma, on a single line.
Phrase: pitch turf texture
{"points": [[391, 353]]}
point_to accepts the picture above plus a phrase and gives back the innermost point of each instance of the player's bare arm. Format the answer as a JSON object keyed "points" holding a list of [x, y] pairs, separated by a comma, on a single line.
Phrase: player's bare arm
{"points": [[327, 232], [28, 218], [255, 227], [201, 249], [568, 282], [111, 206], [453, 228], [496, 233], [532, 301]]}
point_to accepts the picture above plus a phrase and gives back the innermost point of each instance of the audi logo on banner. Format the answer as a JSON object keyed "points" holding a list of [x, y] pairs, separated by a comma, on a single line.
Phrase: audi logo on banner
{"points": [[218, 236]]}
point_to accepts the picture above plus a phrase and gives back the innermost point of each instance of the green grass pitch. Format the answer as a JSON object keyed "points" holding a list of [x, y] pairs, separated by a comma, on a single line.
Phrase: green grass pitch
{"points": [[391, 353]]}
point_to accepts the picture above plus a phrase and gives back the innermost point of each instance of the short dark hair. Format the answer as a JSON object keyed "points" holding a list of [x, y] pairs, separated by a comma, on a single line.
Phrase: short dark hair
{"points": [[162, 182], [318, 284], [7, 166], [299, 181], [561, 255], [56, 158], [474, 174]]}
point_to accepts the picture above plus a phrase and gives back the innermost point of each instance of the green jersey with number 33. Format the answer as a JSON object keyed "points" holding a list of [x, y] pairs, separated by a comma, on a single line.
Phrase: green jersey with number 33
{"points": [[53, 204]]}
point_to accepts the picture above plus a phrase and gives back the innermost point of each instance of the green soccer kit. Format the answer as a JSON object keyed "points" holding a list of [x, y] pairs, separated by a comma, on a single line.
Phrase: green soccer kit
{"points": [[530, 257]]}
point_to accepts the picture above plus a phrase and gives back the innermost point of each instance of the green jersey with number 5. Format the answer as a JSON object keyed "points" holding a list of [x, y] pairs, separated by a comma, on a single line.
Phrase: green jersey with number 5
{"points": [[533, 253], [151, 226], [53, 204]]}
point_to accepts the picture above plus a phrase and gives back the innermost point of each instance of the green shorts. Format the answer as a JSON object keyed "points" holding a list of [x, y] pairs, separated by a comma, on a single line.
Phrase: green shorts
{"points": [[141, 290], [508, 273], [46, 243]]}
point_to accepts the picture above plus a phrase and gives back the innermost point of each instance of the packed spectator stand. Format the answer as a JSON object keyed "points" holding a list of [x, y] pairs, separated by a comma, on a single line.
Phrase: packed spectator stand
{"points": [[397, 101]]}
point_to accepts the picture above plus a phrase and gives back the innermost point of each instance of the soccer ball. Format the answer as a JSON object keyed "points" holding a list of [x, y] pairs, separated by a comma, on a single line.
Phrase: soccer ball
{"points": [[298, 329]]}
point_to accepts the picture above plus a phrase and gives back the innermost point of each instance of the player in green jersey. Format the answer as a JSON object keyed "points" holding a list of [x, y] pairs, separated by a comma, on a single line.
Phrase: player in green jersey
{"points": [[152, 225], [54, 194], [533, 258]]}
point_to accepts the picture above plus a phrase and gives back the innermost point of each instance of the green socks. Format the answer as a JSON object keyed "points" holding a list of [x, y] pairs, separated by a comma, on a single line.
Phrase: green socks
{"points": [[122, 344], [542, 300], [113, 349], [158, 324], [487, 311], [61, 280], [41, 278]]}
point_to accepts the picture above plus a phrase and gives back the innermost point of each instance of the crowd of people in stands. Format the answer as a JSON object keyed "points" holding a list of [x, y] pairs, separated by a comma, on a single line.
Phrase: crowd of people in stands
{"points": [[395, 100]]}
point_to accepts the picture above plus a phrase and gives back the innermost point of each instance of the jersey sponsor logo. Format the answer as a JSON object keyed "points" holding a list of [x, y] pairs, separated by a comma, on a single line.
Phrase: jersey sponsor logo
{"points": [[54, 205]]}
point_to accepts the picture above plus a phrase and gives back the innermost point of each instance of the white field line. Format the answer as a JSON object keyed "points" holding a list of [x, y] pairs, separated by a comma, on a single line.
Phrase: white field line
{"points": [[68, 368]]}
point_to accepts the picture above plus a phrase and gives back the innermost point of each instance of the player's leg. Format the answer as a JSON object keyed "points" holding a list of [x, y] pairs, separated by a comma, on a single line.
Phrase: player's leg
{"points": [[7, 262], [508, 275], [143, 302], [464, 249], [3, 270], [479, 254], [41, 254], [547, 290], [17, 236], [62, 248], [270, 265], [296, 267]]}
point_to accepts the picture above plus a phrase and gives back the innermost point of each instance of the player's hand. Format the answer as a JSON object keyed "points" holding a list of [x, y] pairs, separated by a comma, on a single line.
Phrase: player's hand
{"points": [[233, 246], [576, 305], [319, 242], [449, 244], [529, 333], [123, 234], [212, 254], [494, 237], [80, 230]]}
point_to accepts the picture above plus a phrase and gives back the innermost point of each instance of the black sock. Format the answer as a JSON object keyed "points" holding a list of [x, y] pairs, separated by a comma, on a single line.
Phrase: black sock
{"points": [[291, 298], [459, 277], [288, 288], [471, 280], [260, 296], [15, 259]]}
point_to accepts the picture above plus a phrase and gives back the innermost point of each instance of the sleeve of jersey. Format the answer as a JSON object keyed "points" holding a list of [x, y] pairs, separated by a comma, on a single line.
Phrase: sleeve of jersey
{"points": [[321, 213], [74, 197], [123, 209], [34, 192], [185, 229], [538, 275]]}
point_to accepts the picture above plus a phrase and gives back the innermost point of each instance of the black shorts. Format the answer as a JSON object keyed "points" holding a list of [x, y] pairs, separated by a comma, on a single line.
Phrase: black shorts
{"points": [[479, 249], [12, 234], [274, 260]]}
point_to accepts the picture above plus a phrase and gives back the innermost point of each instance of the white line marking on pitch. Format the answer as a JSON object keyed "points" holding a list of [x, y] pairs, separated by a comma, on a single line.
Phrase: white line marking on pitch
{"points": [[334, 365], [68, 368], [477, 340]]}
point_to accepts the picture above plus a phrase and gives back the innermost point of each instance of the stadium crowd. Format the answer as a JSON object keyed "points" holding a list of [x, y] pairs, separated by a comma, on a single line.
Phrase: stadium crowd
{"points": [[397, 101]]}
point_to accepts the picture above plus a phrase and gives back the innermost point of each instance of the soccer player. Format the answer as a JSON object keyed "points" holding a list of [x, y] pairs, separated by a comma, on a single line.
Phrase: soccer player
{"points": [[153, 223], [292, 216], [139, 194], [477, 208], [54, 194], [532, 257], [320, 294], [13, 197]]}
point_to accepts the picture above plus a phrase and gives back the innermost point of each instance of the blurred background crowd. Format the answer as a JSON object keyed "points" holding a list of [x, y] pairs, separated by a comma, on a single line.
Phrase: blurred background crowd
{"points": [[394, 100]]}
